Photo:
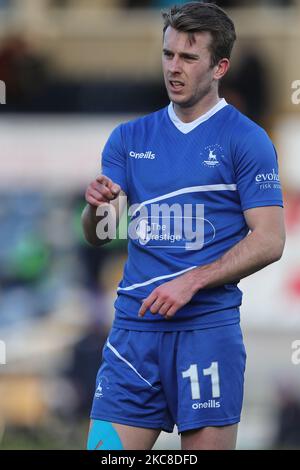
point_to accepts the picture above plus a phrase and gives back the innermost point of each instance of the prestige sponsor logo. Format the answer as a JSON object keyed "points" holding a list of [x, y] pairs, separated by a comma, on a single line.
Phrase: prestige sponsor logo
{"points": [[146, 232], [206, 404], [181, 227], [148, 155]]}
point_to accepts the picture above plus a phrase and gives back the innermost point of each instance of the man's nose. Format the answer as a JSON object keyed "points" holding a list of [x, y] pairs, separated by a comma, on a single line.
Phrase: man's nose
{"points": [[175, 65]]}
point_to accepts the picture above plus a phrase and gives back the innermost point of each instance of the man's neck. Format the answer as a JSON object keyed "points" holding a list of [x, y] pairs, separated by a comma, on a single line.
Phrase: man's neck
{"points": [[194, 112]]}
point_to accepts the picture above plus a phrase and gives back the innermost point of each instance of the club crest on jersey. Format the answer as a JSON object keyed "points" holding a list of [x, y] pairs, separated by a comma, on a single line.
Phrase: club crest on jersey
{"points": [[212, 155]]}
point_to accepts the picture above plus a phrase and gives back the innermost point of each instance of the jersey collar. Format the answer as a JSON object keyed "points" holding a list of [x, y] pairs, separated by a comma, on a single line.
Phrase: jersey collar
{"points": [[186, 127]]}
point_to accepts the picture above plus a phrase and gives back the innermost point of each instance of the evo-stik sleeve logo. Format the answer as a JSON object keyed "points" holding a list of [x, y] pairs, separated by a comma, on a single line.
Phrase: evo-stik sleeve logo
{"points": [[2, 92]]}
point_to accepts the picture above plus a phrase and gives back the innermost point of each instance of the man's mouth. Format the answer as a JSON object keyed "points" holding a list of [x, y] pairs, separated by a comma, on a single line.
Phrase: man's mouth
{"points": [[176, 85]]}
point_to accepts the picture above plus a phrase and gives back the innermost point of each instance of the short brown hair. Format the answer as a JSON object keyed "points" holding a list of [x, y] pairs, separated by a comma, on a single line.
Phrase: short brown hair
{"points": [[195, 17]]}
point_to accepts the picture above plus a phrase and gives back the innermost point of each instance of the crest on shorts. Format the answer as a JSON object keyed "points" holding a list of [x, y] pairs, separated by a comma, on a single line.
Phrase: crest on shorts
{"points": [[103, 384]]}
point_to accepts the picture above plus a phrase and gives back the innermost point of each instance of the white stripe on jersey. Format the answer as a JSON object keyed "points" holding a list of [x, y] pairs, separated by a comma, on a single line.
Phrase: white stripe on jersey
{"points": [[154, 279], [190, 189]]}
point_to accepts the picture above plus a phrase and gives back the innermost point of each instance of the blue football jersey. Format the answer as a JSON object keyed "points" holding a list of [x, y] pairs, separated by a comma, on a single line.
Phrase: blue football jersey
{"points": [[187, 188]]}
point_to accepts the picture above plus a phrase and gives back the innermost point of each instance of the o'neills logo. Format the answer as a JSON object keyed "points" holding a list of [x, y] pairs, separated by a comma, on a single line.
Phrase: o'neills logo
{"points": [[206, 404], [150, 155], [265, 177]]}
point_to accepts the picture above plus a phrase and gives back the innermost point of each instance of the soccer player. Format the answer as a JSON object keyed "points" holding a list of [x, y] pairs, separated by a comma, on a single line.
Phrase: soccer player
{"points": [[206, 210]]}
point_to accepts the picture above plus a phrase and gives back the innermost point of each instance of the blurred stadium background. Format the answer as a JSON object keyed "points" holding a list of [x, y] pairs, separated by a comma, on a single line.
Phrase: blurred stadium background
{"points": [[73, 70]]}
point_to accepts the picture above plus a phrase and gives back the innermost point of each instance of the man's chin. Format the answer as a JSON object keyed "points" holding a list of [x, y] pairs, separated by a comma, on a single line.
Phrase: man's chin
{"points": [[181, 101], [177, 98]]}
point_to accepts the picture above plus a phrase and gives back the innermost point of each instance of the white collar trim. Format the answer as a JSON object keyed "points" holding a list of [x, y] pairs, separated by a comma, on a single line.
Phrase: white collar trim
{"points": [[186, 127]]}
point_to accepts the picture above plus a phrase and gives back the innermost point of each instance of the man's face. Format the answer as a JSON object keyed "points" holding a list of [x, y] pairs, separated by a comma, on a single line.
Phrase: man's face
{"points": [[187, 67]]}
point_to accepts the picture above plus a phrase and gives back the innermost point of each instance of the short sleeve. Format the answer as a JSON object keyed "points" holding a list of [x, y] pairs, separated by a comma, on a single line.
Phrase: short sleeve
{"points": [[256, 170], [114, 159]]}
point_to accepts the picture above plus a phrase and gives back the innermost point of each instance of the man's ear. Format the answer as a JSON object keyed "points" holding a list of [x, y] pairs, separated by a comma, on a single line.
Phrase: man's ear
{"points": [[221, 69]]}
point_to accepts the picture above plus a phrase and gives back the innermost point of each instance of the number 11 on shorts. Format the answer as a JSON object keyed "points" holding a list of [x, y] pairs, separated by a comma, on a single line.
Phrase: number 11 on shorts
{"points": [[192, 373]]}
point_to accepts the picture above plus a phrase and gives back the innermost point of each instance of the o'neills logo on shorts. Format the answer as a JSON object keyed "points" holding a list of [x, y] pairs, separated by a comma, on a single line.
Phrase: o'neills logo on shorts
{"points": [[206, 404], [149, 155]]}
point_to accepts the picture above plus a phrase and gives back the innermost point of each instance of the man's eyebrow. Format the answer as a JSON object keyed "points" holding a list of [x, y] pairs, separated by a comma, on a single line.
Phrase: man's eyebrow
{"points": [[189, 55], [183, 54]]}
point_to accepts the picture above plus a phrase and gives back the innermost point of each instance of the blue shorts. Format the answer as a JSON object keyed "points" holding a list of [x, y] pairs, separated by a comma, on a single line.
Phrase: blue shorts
{"points": [[157, 379]]}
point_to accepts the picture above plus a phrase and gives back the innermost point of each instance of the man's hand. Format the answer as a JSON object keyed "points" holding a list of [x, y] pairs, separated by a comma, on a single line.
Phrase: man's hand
{"points": [[169, 297], [101, 190]]}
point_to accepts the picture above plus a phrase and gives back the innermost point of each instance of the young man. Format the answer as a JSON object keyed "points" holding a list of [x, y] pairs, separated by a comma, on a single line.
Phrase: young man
{"points": [[207, 211]]}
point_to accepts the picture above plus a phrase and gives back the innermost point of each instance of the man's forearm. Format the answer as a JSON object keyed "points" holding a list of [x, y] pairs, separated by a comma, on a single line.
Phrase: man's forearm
{"points": [[246, 257], [89, 224]]}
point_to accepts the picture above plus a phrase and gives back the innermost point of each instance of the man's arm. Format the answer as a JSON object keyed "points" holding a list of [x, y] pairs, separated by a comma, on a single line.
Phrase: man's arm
{"points": [[263, 246], [101, 192]]}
